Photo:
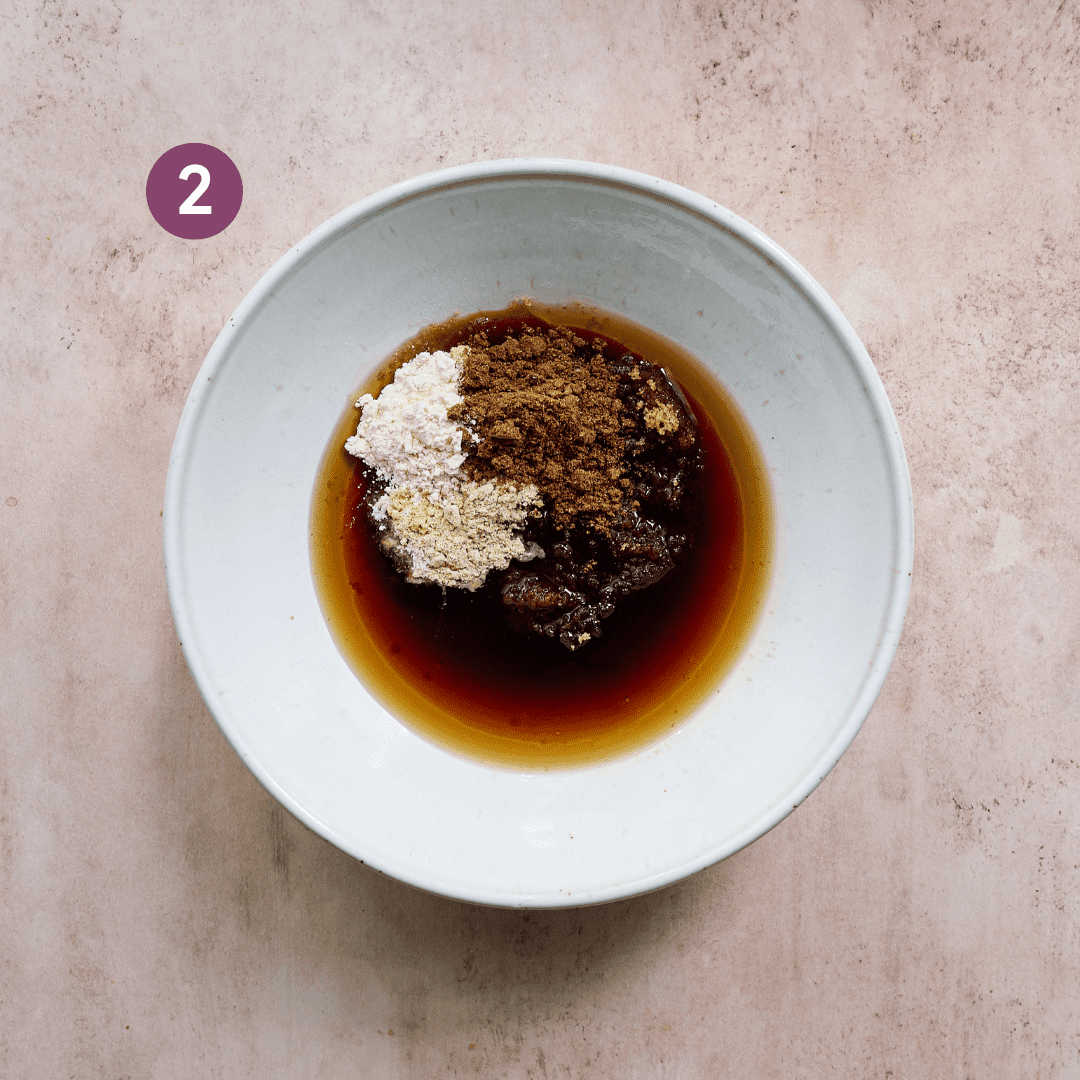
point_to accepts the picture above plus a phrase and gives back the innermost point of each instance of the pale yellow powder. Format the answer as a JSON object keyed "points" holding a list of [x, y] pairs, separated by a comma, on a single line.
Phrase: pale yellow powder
{"points": [[662, 418], [454, 538]]}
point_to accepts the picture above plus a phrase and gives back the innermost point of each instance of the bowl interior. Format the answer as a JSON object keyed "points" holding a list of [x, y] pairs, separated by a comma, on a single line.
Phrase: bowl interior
{"points": [[249, 446]]}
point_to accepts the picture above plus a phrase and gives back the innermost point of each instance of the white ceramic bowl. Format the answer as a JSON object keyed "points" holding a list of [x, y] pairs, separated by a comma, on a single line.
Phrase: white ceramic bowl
{"points": [[237, 516]]}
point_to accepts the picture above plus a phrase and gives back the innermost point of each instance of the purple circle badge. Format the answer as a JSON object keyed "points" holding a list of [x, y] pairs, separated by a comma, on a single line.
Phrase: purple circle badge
{"points": [[194, 191]]}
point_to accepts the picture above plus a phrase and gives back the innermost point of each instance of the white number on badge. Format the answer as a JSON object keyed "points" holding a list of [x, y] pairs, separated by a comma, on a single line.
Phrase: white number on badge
{"points": [[188, 205]]}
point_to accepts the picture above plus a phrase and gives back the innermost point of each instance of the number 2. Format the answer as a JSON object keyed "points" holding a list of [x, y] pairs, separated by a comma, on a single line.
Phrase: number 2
{"points": [[188, 205]]}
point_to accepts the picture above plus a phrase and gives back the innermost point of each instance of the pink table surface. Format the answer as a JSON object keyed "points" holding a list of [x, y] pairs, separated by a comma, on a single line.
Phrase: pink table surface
{"points": [[161, 916]]}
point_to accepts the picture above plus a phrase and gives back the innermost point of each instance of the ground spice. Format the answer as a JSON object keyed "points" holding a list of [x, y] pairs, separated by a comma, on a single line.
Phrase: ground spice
{"points": [[545, 410]]}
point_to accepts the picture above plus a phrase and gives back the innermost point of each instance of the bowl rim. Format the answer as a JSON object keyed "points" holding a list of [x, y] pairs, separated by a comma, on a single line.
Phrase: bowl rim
{"points": [[680, 198]]}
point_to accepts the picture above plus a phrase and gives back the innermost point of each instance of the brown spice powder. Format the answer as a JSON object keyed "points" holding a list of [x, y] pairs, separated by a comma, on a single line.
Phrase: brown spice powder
{"points": [[545, 410]]}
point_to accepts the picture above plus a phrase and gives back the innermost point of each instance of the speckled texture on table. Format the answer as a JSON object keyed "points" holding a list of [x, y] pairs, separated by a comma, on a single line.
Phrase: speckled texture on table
{"points": [[161, 917]]}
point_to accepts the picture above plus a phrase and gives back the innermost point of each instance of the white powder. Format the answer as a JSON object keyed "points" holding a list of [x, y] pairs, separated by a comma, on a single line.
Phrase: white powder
{"points": [[405, 434], [441, 526]]}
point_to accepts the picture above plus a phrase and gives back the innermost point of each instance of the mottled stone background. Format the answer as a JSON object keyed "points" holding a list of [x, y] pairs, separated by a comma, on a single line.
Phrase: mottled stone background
{"points": [[161, 917]]}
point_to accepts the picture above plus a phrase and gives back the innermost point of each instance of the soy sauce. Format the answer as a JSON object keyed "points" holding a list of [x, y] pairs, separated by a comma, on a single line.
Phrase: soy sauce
{"points": [[451, 667]]}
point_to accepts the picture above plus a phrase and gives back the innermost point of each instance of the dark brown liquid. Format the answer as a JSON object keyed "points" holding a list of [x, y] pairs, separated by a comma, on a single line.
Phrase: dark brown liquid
{"points": [[454, 670]]}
